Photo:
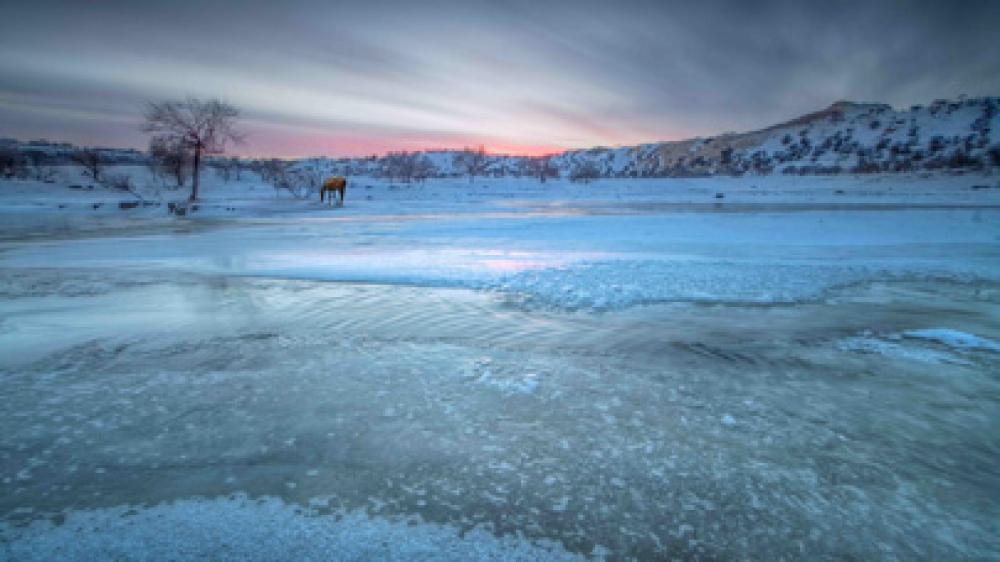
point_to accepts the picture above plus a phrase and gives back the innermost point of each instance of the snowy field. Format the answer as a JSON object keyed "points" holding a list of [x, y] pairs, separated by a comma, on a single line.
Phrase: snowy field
{"points": [[778, 368]]}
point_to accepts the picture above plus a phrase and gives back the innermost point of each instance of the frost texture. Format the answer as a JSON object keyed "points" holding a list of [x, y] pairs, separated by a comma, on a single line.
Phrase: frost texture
{"points": [[243, 529]]}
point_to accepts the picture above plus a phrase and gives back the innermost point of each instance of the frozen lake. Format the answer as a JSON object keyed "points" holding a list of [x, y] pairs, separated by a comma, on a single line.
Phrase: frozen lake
{"points": [[619, 379]]}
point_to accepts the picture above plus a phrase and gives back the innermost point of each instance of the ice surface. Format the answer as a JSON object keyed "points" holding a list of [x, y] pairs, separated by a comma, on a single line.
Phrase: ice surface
{"points": [[240, 528], [647, 426], [573, 255], [623, 368], [608, 285]]}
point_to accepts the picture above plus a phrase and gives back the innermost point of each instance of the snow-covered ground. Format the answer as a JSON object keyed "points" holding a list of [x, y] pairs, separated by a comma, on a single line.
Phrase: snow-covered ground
{"points": [[802, 368]]}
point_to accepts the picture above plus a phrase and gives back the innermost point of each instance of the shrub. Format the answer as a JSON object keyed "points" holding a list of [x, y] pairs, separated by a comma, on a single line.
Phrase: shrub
{"points": [[12, 163], [584, 171], [866, 167], [961, 159], [92, 162], [994, 154], [120, 182]]}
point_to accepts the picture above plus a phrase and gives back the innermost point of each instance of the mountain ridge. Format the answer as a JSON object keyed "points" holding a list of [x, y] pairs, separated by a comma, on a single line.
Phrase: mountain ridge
{"points": [[844, 137]]}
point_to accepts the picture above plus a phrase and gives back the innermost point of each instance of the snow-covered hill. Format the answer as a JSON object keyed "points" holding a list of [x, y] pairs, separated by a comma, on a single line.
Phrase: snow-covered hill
{"points": [[846, 137], [59, 153]]}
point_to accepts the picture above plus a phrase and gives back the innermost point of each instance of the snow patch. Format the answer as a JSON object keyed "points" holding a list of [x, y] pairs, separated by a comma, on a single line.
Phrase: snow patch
{"points": [[954, 339], [924, 345], [880, 346]]}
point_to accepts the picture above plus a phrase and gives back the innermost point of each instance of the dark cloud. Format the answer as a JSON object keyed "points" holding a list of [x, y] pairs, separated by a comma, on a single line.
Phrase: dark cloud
{"points": [[517, 72]]}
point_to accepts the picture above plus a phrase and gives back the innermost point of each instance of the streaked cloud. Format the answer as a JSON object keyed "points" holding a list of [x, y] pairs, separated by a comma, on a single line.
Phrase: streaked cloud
{"points": [[317, 77]]}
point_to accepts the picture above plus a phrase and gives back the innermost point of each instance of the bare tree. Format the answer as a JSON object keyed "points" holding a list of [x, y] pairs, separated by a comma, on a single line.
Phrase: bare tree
{"points": [[237, 167], [92, 162], [542, 168], [38, 166], [224, 169], [11, 163], [228, 168], [203, 127], [402, 165], [471, 161], [167, 156], [270, 170], [423, 168]]}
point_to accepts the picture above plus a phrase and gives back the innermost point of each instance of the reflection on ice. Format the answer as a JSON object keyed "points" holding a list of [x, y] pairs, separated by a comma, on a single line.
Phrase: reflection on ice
{"points": [[574, 261], [822, 386]]}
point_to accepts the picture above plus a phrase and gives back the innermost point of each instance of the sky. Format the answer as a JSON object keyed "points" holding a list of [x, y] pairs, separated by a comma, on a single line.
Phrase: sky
{"points": [[528, 77]]}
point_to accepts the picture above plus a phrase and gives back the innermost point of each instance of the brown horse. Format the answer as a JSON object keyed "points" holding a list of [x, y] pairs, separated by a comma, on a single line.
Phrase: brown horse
{"points": [[335, 185]]}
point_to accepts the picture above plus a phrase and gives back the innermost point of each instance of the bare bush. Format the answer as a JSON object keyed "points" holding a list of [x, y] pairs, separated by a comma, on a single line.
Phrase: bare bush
{"points": [[423, 168], [398, 165], [961, 159], [228, 169], [270, 170], [994, 154], [408, 166], [38, 167], [305, 182], [584, 172], [92, 162], [223, 169], [11, 163], [866, 166], [121, 182], [542, 168], [300, 183]]}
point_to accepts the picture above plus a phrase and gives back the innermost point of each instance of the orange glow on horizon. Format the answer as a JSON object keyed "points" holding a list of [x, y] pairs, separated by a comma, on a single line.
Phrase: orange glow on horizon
{"points": [[345, 146], [522, 150]]}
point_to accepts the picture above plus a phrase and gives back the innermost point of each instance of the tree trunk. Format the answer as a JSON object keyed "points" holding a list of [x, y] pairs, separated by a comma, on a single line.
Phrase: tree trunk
{"points": [[196, 172]]}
